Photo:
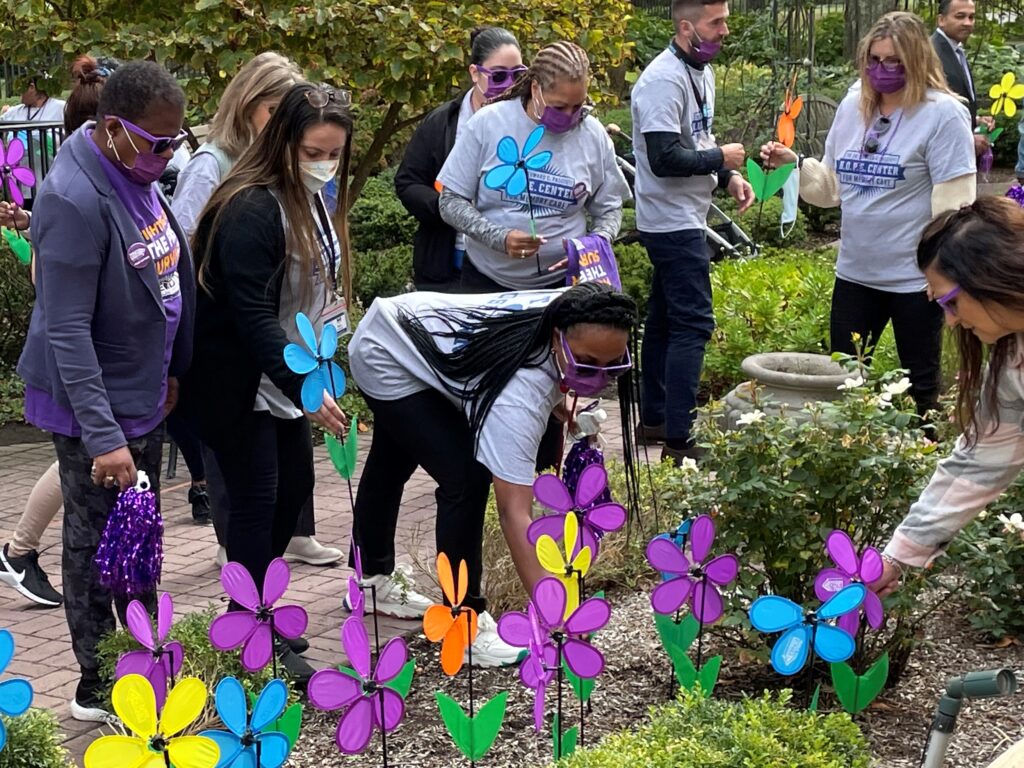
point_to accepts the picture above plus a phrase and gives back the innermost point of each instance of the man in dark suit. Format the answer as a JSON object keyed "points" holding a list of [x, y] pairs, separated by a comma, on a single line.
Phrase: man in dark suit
{"points": [[956, 23]]}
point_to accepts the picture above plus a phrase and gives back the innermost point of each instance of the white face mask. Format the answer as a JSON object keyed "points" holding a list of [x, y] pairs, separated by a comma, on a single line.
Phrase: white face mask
{"points": [[790, 198], [316, 173]]}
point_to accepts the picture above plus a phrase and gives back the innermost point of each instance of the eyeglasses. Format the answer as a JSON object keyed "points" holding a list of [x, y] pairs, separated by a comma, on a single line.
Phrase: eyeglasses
{"points": [[160, 144], [588, 371], [879, 128], [500, 75], [322, 95], [948, 302], [890, 63]]}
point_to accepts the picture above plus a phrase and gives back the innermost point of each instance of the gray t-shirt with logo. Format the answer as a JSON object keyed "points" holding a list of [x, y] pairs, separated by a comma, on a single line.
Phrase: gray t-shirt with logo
{"points": [[580, 178], [387, 366], [886, 195], [667, 99]]}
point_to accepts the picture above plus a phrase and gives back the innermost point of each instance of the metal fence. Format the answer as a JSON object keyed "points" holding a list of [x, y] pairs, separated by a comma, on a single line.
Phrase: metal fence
{"points": [[41, 142]]}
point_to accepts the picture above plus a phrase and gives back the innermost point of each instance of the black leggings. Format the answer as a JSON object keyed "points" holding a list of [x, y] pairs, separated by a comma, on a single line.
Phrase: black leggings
{"points": [[916, 324], [422, 430], [268, 477]]}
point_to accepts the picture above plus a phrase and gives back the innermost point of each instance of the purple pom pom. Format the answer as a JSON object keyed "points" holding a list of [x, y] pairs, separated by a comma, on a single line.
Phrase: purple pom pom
{"points": [[582, 455], [131, 551], [1016, 193]]}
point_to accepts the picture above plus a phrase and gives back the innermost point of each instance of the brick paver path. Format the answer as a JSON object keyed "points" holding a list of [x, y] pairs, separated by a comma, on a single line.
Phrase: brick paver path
{"points": [[43, 652]]}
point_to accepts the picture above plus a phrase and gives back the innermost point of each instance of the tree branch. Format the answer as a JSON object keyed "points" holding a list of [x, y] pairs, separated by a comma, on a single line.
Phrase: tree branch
{"points": [[388, 127]]}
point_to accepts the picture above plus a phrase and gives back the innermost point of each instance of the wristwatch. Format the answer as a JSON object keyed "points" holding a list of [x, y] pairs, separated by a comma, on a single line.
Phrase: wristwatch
{"points": [[800, 160]]}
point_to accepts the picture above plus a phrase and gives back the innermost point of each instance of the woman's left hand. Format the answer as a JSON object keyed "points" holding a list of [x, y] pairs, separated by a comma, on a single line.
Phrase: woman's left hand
{"points": [[890, 580], [329, 416], [522, 245]]}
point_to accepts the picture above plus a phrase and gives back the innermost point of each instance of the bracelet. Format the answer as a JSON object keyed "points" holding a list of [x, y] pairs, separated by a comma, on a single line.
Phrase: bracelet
{"points": [[900, 568], [800, 161]]}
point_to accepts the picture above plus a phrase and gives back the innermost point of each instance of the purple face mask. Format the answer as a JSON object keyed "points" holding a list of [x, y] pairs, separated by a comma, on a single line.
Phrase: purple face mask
{"points": [[884, 80], [589, 380], [557, 121], [149, 166], [703, 50]]}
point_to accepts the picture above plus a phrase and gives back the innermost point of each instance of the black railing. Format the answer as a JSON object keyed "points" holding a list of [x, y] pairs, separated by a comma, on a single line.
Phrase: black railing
{"points": [[41, 142]]}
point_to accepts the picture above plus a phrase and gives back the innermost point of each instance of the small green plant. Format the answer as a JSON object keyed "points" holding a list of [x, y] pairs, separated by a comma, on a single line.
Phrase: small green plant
{"points": [[696, 732], [386, 272], [34, 741], [201, 660], [378, 220]]}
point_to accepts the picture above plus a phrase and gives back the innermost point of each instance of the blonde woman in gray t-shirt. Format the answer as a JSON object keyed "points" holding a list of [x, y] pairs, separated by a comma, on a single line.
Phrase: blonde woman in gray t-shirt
{"points": [[899, 152]]}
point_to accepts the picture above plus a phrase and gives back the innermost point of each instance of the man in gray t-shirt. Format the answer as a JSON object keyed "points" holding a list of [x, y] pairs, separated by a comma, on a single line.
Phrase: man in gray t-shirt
{"points": [[678, 166]]}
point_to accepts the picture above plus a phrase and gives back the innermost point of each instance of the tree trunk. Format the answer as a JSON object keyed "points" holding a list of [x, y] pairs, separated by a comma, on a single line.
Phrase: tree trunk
{"points": [[860, 15]]}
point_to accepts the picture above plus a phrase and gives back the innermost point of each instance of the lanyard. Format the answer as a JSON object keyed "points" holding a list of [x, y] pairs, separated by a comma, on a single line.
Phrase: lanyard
{"points": [[326, 237], [698, 96]]}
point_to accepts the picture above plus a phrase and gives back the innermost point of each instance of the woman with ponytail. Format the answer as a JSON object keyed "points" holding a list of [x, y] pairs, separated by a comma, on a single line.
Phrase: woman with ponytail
{"points": [[516, 242], [463, 386]]}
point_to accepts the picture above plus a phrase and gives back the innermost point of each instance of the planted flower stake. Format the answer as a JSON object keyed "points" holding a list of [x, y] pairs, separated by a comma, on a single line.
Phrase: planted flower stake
{"points": [[249, 740], [367, 697], [12, 173], [455, 626], [15, 694], [692, 581], [159, 661], [569, 563]]}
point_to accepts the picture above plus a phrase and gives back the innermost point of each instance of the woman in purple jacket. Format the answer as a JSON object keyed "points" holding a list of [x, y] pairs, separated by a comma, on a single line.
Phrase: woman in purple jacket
{"points": [[110, 331]]}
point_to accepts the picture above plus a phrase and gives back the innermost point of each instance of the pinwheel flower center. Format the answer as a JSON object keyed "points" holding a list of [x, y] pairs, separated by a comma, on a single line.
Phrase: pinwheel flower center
{"points": [[264, 613], [248, 738], [370, 687], [7, 170], [697, 571], [456, 612], [158, 743]]}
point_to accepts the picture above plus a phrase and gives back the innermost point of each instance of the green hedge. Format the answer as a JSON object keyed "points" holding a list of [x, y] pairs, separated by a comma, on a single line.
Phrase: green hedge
{"points": [[378, 220], [766, 732], [34, 740]]}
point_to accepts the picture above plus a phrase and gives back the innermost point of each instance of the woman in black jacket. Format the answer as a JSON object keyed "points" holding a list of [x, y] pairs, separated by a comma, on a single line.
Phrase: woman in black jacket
{"points": [[496, 61], [266, 249]]}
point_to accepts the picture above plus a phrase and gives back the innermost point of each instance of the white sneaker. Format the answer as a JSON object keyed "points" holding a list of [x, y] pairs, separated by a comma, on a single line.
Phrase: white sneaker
{"points": [[87, 714], [222, 557], [306, 549], [489, 650], [395, 594]]}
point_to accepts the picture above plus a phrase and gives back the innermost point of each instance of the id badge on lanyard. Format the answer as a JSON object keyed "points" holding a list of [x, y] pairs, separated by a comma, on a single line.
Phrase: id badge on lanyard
{"points": [[336, 314]]}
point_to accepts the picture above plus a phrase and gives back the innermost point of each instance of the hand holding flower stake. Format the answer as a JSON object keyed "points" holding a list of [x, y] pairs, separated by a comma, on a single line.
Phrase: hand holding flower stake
{"points": [[159, 661], [369, 702], [253, 627], [568, 631], [594, 520], [250, 742], [153, 744], [694, 581], [567, 564], [15, 694]]}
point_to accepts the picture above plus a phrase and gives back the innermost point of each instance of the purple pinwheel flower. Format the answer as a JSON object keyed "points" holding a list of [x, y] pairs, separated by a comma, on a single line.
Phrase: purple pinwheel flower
{"points": [[698, 581], [13, 172], [595, 520], [356, 600], [369, 702], [537, 670], [160, 660], [255, 626], [850, 568]]}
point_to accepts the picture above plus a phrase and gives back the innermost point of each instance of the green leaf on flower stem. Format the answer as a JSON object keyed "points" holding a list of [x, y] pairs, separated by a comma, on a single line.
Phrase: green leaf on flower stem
{"points": [[563, 745], [19, 245], [403, 681], [813, 706], [582, 687], [474, 736], [290, 723], [855, 692], [765, 185], [686, 674], [343, 455], [708, 675], [673, 634]]}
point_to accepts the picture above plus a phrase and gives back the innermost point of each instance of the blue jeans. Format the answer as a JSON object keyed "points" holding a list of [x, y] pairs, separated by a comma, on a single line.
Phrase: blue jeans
{"points": [[679, 324], [1020, 151]]}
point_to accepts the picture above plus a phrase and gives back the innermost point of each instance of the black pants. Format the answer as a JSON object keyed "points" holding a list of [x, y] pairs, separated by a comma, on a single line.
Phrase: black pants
{"points": [[87, 603], [422, 430], [186, 437], [916, 324], [268, 477]]}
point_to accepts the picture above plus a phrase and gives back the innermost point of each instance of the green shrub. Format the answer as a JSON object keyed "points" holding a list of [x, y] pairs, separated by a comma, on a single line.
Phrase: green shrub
{"points": [[694, 732], [12, 396], [829, 31], [650, 33], [34, 740], [635, 272], [987, 68], [378, 220], [990, 555], [386, 272], [201, 660]]}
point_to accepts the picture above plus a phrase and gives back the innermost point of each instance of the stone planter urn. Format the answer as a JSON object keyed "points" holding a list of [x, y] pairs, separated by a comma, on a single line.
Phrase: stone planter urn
{"points": [[786, 380]]}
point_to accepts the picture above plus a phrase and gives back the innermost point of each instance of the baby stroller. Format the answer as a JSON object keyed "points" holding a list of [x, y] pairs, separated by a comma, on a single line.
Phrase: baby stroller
{"points": [[725, 237]]}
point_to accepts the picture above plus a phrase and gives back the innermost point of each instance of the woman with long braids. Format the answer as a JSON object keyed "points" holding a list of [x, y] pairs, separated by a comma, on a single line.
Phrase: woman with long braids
{"points": [[974, 262], [514, 242], [463, 386]]}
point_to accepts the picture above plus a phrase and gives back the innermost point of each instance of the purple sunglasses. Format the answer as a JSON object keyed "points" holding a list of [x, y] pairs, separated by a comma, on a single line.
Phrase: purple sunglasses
{"points": [[160, 143], [499, 75], [586, 371], [944, 301]]}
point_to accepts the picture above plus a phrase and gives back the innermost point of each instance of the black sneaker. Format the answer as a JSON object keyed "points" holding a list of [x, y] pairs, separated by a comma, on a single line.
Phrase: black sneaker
{"points": [[298, 645], [24, 574], [297, 667], [200, 501], [88, 705]]}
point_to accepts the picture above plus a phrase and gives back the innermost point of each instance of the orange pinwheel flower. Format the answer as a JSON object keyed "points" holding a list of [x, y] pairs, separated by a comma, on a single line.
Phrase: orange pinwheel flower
{"points": [[453, 624], [787, 120]]}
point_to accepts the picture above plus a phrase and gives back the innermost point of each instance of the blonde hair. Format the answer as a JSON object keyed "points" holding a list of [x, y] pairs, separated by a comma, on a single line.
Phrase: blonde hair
{"points": [[266, 77], [914, 48]]}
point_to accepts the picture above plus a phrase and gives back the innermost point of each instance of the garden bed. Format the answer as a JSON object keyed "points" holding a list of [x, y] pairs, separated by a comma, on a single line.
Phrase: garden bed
{"points": [[637, 676]]}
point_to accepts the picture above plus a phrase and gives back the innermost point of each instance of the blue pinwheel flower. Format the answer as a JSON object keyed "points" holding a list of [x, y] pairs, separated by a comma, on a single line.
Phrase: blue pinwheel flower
{"points": [[323, 373], [802, 630], [246, 741], [16, 694], [511, 174]]}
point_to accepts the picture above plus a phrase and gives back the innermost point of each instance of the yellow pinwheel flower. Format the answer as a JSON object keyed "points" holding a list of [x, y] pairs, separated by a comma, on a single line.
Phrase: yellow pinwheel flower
{"points": [[152, 743], [1004, 95], [560, 562]]}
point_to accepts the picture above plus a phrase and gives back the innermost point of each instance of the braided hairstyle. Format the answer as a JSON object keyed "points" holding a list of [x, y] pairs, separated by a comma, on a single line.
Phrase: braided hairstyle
{"points": [[559, 61]]}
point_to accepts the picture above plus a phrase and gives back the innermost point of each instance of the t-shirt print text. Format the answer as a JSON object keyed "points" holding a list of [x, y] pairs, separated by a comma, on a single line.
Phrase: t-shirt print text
{"points": [[550, 193], [870, 172], [165, 251]]}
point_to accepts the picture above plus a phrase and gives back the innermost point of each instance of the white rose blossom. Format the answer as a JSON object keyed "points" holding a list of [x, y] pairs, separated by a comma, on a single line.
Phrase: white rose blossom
{"points": [[897, 388], [856, 381], [1014, 521], [750, 418]]}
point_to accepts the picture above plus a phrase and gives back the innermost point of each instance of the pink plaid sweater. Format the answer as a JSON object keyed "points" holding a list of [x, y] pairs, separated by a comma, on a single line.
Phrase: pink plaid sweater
{"points": [[969, 478]]}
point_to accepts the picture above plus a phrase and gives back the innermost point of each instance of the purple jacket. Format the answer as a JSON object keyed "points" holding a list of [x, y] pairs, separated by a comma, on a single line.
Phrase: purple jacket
{"points": [[98, 331]]}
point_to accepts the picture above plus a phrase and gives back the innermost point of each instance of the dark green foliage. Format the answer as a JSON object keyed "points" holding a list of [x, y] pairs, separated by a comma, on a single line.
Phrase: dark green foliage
{"points": [[16, 298], [377, 219], [385, 273], [650, 34], [34, 740]]}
